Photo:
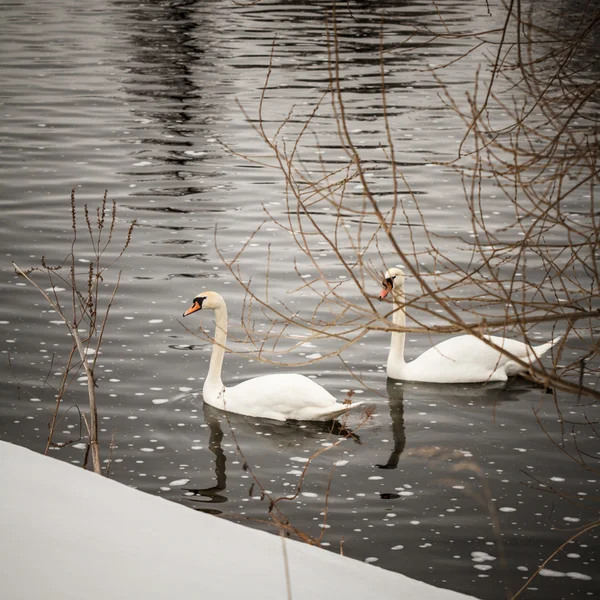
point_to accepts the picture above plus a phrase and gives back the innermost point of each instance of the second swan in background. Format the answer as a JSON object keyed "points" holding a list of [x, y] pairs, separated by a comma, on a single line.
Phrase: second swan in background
{"points": [[280, 396], [461, 359]]}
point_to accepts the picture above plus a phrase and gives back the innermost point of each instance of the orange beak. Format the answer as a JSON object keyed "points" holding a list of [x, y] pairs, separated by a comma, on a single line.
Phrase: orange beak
{"points": [[192, 309], [385, 290]]}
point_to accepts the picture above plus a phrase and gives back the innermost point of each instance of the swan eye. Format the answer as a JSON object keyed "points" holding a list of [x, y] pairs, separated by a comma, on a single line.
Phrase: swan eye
{"points": [[199, 300]]}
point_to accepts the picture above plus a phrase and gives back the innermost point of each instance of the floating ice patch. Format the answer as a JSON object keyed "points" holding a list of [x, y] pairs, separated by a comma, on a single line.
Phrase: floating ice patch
{"points": [[146, 449], [160, 400], [143, 163], [179, 482], [557, 478], [483, 567], [375, 477], [154, 321], [34, 400], [7, 322], [371, 559], [571, 519], [194, 152], [55, 289], [520, 449], [313, 356], [294, 472], [340, 463], [405, 493], [507, 509], [185, 389], [481, 556], [80, 446], [310, 494], [299, 459], [398, 547]]}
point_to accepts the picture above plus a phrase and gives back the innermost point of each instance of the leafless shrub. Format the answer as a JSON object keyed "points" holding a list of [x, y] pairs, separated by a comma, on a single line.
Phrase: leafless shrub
{"points": [[84, 309]]}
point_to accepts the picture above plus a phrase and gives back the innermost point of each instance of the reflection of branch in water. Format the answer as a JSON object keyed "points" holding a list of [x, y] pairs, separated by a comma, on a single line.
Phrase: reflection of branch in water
{"points": [[396, 394], [211, 495]]}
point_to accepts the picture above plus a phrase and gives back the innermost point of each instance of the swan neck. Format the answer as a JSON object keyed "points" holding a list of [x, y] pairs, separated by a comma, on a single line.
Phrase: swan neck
{"points": [[399, 319], [213, 379]]}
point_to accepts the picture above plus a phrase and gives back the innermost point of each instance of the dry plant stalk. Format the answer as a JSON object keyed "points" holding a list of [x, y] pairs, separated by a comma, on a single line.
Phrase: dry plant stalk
{"points": [[278, 518], [86, 312]]}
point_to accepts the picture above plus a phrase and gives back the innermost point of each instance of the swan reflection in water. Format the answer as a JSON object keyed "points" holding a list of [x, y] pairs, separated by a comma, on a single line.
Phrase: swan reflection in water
{"points": [[455, 394], [280, 436]]}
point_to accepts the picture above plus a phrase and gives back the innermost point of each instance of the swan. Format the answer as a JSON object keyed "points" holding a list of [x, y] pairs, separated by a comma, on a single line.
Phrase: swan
{"points": [[461, 359], [279, 396]]}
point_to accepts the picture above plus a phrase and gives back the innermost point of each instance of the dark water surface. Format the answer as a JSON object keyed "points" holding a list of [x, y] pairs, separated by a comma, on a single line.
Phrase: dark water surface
{"points": [[459, 486]]}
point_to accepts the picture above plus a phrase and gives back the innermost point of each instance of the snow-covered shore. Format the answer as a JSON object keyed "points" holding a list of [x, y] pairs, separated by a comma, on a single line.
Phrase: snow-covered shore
{"points": [[67, 533]]}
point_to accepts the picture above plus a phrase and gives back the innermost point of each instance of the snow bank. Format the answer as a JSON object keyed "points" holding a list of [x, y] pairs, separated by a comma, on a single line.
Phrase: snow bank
{"points": [[67, 533]]}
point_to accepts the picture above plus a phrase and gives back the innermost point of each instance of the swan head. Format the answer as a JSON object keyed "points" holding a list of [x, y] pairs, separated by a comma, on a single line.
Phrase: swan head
{"points": [[393, 278], [205, 300]]}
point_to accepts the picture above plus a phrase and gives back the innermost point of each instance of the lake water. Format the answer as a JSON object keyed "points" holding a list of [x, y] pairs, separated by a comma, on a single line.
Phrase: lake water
{"points": [[458, 486]]}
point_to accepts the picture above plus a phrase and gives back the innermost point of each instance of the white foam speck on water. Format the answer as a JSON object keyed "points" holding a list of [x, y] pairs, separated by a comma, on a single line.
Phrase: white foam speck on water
{"points": [[520, 449], [299, 459], [179, 482], [398, 547], [405, 493], [314, 356], [80, 446], [294, 472], [34, 400], [340, 463], [185, 389], [507, 509], [143, 163], [371, 559], [154, 321], [310, 494], [415, 522], [194, 152], [571, 519], [557, 479], [57, 322], [55, 289], [196, 447], [160, 400], [375, 477], [483, 567], [146, 449], [571, 574], [7, 322], [573, 555]]}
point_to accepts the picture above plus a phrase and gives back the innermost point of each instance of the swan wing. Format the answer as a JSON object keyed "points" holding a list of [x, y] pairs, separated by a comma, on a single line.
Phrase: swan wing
{"points": [[466, 358], [283, 396]]}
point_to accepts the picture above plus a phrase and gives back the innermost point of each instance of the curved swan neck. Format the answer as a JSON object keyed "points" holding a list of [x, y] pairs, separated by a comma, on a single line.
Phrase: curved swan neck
{"points": [[213, 379], [399, 318]]}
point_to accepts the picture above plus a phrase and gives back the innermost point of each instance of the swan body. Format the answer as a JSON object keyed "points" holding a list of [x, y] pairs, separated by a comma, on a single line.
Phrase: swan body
{"points": [[461, 359], [279, 396]]}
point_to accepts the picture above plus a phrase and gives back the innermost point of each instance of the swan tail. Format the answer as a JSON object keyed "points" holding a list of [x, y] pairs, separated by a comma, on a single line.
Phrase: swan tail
{"points": [[543, 348], [338, 411]]}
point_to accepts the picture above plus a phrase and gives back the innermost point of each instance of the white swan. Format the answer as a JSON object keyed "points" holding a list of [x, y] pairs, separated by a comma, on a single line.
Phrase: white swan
{"points": [[461, 359], [279, 396]]}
